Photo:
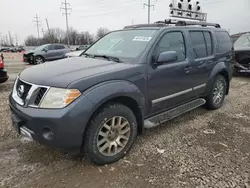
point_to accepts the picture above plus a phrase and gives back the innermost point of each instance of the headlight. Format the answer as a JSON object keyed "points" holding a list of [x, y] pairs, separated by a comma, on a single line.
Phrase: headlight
{"points": [[59, 98]]}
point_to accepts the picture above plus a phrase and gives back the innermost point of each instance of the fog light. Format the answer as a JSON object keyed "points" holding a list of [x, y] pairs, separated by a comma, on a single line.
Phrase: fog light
{"points": [[47, 134]]}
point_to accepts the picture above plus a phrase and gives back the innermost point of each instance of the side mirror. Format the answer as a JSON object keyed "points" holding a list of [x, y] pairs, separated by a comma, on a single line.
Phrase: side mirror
{"points": [[166, 57], [45, 50]]}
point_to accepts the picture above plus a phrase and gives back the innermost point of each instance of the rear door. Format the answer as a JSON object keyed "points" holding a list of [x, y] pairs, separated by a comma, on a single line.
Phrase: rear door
{"points": [[203, 53], [60, 51]]}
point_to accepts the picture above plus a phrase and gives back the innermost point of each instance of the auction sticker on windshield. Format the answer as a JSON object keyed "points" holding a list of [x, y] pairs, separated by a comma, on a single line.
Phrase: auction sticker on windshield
{"points": [[141, 38]]}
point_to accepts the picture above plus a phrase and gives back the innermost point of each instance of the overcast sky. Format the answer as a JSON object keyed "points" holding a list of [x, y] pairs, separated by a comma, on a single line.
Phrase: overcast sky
{"points": [[89, 15]]}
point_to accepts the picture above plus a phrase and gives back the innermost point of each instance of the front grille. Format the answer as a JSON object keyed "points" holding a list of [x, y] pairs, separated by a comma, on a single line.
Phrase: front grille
{"points": [[40, 95], [22, 89]]}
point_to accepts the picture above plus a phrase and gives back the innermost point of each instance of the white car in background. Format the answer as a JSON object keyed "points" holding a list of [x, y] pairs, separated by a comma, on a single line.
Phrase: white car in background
{"points": [[74, 54]]}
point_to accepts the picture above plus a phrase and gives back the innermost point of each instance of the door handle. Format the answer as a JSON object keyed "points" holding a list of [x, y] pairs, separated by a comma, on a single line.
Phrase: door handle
{"points": [[187, 68]]}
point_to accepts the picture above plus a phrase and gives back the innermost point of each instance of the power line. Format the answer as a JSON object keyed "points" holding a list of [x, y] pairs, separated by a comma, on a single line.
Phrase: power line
{"points": [[37, 21], [149, 8], [66, 10]]}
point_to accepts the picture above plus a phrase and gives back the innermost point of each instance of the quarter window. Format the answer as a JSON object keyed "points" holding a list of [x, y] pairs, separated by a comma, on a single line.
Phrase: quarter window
{"points": [[173, 41]]}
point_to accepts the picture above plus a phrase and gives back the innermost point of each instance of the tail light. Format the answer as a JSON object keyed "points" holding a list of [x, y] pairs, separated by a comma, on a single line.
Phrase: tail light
{"points": [[1, 64]]}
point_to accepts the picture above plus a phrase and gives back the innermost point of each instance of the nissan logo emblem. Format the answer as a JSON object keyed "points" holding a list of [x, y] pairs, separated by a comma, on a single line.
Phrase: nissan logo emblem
{"points": [[20, 91]]}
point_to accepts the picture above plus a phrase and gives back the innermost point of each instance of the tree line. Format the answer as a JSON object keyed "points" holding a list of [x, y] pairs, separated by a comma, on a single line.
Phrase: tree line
{"points": [[57, 35]]}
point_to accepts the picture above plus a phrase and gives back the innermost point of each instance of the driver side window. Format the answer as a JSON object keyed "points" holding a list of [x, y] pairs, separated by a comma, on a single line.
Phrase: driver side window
{"points": [[172, 41]]}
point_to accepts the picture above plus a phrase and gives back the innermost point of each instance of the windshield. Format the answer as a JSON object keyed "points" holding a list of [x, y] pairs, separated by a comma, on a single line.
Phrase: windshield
{"points": [[41, 47], [127, 44], [243, 41]]}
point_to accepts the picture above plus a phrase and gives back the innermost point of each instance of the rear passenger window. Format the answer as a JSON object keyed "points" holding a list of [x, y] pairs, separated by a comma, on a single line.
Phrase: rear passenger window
{"points": [[199, 45], [225, 43], [59, 47], [208, 39]]}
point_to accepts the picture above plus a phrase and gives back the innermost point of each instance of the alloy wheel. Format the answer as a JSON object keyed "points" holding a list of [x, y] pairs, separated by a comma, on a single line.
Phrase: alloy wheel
{"points": [[218, 92], [113, 136]]}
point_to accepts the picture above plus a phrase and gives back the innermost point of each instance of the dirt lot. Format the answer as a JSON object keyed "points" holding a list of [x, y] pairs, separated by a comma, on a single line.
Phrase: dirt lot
{"points": [[199, 149]]}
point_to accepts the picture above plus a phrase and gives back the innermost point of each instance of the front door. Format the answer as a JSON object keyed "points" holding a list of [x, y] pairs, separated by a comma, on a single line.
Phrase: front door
{"points": [[170, 84]]}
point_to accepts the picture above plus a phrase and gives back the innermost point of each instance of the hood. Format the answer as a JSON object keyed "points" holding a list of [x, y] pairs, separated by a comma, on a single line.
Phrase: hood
{"points": [[29, 52], [239, 49], [63, 72], [74, 54]]}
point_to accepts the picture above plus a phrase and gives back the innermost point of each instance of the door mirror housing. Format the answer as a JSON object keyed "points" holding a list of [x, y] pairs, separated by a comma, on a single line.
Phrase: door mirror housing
{"points": [[166, 57], [45, 50]]}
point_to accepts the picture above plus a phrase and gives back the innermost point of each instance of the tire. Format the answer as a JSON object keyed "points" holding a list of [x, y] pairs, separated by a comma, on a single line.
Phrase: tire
{"points": [[99, 124], [218, 89], [38, 60]]}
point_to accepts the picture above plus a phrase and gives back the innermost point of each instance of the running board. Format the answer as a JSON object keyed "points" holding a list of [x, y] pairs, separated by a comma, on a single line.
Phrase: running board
{"points": [[170, 114]]}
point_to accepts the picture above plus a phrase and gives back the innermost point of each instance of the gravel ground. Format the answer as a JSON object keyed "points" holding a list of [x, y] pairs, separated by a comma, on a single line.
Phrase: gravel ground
{"points": [[199, 149]]}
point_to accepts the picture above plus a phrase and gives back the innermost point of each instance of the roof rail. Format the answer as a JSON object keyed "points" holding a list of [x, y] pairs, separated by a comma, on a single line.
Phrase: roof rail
{"points": [[185, 23]]}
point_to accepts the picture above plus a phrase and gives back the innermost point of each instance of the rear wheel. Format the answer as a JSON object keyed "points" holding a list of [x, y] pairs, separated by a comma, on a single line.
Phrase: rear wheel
{"points": [[217, 95], [110, 134]]}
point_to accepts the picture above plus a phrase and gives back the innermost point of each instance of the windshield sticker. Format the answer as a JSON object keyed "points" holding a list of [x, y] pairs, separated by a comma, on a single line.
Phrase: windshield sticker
{"points": [[141, 38]]}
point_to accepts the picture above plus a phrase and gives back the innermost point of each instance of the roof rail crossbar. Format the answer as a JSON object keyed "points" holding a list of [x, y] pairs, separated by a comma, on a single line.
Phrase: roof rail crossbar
{"points": [[185, 23]]}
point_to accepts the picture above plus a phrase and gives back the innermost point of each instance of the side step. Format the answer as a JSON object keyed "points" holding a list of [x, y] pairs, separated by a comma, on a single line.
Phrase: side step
{"points": [[170, 114]]}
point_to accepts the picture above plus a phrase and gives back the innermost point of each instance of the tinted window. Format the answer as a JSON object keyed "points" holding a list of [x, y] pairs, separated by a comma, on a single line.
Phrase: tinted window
{"points": [[173, 41], [51, 47], [208, 39], [225, 43], [199, 45], [59, 47]]}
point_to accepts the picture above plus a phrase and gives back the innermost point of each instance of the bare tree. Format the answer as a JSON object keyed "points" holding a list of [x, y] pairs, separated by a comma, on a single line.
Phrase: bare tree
{"points": [[101, 32], [73, 36], [31, 41]]}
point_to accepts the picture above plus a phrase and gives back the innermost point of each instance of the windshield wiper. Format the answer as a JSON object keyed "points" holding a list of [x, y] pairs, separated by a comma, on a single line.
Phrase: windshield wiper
{"points": [[88, 55], [116, 59]]}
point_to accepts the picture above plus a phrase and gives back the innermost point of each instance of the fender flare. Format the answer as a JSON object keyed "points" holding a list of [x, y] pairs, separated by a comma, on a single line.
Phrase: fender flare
{"points": [[220, 68], [106, 91]]}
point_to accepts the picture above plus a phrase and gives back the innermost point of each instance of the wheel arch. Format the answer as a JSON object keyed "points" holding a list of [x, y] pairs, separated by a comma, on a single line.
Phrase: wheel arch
{"points": [[122, 92], [219, 69]]}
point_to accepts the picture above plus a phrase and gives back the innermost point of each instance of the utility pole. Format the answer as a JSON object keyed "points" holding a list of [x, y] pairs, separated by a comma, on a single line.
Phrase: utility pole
{"points": [[37, 21], [47, 25], [42, 31], [132, 22], [149, 9], [16, 41], [10, 38], [66, 9]]}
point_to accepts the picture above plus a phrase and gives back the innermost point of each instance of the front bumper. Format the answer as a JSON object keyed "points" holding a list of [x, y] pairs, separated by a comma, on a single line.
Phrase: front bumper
{"points": [[242, 68], [28, 58], [67, 125], [3, 76]]}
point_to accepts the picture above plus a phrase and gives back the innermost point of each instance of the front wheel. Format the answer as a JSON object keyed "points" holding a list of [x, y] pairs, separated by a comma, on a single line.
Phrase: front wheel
{"points": [[110, 134], [217, 95], [39, 60]]}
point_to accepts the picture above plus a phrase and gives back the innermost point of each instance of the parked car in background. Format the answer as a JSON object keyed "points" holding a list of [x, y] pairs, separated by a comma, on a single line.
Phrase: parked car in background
{"points": [[74, 54], [3, 73], [242, 54], [82, 47], [131, 79], [46, 52], [4, 49]]}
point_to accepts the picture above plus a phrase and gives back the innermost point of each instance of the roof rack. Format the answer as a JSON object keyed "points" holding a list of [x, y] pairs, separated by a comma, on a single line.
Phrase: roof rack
{"points": [[185, 23]]}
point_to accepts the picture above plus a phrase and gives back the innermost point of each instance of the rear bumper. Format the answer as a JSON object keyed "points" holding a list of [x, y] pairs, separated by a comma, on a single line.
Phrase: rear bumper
{"points": [[66, 125]]}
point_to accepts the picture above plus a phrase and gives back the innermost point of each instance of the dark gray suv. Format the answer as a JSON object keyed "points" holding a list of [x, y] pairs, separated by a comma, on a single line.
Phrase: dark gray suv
{"points": [[46, 52], [131, 79]]}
